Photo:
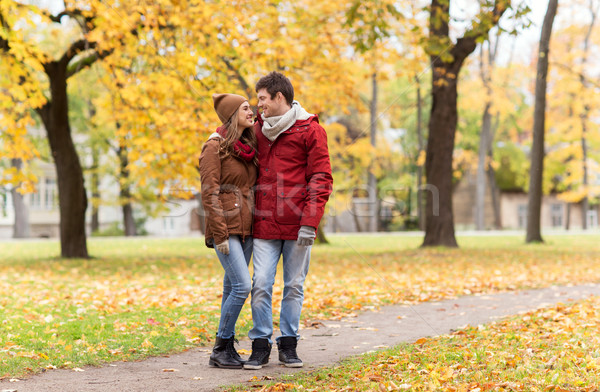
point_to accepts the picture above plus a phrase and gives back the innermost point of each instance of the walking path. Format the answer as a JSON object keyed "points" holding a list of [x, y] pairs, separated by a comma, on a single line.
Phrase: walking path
{"points": [[322, 345]]}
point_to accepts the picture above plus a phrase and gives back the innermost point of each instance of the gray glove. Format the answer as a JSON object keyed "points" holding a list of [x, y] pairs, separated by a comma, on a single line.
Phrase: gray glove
{"points": [[306, 236], [223, 247]]}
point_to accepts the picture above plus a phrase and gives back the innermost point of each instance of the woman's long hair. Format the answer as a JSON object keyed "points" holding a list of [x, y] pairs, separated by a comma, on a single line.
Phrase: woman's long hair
{"points": [[233, 133]]}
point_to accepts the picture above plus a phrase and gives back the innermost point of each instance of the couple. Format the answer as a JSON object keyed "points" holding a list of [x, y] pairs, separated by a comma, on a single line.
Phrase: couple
{"points": [[279, 168]]}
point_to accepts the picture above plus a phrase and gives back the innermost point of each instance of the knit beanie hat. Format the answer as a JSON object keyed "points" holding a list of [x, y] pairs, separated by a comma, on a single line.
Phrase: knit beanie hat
{"points": [[227, 104]]}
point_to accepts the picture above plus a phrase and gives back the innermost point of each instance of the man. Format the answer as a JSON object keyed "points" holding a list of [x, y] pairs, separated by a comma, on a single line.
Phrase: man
{"points": [[293, 186]]}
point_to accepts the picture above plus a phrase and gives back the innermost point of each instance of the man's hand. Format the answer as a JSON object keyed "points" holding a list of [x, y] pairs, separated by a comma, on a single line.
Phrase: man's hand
{"points": [[223, 247], [306, 236]]}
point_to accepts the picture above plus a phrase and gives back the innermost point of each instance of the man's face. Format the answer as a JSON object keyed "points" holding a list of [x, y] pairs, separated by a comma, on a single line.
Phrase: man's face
{"points": [[271, 106]]}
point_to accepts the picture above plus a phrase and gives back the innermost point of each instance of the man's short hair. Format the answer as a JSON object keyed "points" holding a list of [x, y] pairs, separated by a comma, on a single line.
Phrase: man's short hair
{"points": [[276, 82]]}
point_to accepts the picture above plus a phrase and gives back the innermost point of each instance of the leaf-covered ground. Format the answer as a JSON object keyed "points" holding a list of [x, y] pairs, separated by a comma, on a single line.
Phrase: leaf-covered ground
{"points": [[555, 349], [142, 297]]}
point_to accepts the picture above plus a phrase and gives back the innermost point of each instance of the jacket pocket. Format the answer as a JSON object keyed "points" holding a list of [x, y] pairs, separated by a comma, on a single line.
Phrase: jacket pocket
{"points": [[290, 203], [231, 210]]}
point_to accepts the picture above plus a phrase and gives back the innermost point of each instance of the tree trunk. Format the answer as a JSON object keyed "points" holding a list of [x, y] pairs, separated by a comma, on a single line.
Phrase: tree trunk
{"points": [[356, 218], [128, 221], [421, 141], [439, 227], [584, 119], [491, 173], [373, 199], [321, 238], [495, 192], [585, 182], [486, 138], [585, 206], [125, 194], [539, 126], [568, 221], [480, 183], [95, 185], [21, 227], [95, 177], [71, 189]]}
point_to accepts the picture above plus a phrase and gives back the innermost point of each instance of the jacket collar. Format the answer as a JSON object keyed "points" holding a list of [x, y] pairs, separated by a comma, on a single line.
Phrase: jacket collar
{"points": [[298, 123]]}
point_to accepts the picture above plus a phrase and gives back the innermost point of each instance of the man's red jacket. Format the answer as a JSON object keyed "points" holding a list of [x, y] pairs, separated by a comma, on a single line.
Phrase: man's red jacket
{"points": [[294, 180]]}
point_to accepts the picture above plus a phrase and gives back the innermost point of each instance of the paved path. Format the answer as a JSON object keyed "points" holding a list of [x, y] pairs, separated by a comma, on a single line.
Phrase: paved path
{"points": [[325, 345]]}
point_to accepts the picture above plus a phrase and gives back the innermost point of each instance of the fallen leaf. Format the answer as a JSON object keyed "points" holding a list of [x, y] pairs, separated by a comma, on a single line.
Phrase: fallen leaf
{"points": [[313, 324], [151, 321], [375, 377], [550, 363]]}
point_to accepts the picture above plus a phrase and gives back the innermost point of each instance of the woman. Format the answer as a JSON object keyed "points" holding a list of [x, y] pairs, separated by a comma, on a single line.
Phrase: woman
{"points": [[228, 173]]}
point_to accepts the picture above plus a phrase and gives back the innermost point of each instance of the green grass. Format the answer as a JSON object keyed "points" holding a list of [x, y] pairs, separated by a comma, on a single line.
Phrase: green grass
{"points": [[143, 296]]}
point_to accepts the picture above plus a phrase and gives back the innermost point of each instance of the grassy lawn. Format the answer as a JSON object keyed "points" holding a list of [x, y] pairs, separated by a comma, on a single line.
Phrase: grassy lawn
{"points": [[555, 349], [141, 297]]}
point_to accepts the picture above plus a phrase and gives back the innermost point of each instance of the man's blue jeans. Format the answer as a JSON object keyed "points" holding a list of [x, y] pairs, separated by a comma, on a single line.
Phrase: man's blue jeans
{"points": [[236, 284], [295, 267]]}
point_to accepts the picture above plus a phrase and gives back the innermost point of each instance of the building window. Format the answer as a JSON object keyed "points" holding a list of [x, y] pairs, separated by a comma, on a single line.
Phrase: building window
{"points": [[50, 194], [592, 218], [168, 225], [522, 211], [35, 198], [557, 213]]}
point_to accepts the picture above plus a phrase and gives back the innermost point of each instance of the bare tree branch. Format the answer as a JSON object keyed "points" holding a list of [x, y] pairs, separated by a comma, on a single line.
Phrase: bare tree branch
{"points": [[77, 47], [3, 42], [70, 13], [467, 43], [576, 73], [82, 46], [238, 75], [87, 61]]}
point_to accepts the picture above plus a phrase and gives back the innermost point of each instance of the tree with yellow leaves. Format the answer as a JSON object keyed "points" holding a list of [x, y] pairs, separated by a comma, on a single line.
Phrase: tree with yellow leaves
{"points": [[19, 48], [574, 140], [165, 58]]}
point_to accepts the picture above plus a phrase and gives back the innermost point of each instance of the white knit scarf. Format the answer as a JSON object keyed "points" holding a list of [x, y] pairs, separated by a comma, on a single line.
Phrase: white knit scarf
{"points": [[276, 125]]}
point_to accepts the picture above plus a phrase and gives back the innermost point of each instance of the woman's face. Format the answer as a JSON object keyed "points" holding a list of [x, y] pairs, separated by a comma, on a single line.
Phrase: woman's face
{"points": [[245, 116]]}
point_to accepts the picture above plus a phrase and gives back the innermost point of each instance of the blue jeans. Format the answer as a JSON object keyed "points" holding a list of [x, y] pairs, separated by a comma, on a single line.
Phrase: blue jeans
{"points": [[236, 284], [295, 267]]}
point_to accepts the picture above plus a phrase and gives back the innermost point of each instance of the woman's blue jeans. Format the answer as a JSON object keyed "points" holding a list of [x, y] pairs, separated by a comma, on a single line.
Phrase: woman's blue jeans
{"points": [[236, 284]]}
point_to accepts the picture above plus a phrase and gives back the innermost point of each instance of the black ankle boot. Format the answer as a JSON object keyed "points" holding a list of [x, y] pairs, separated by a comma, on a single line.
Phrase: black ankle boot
{"points": [[224, 355], [287, 352], [261, 349]]}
